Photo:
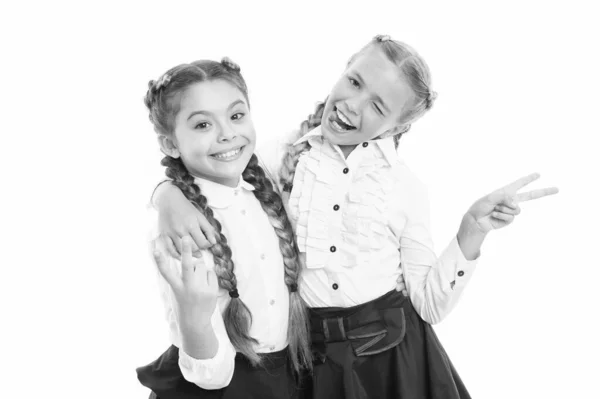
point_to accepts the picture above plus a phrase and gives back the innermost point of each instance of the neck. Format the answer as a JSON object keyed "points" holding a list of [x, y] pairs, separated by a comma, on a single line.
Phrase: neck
{"points": [[347, 149]]}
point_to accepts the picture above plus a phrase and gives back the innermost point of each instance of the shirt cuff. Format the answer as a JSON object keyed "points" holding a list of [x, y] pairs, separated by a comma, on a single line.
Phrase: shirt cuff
{"points": [[214, 373], [463, 270]]}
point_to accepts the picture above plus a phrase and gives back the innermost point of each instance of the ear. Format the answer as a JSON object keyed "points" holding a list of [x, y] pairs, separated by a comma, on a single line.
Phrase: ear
{"points": [[394, 131], [168, 146]]}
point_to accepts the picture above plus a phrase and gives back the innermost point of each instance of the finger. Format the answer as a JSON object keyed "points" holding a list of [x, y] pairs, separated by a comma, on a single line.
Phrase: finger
{"points": [[197, 253], [199, 238], [211, 278], [171, 249], [503, 216], [507, 210], [209, 231], [522, 182], [176, 240], [509, 201], [187, 261], [164, 269], [535, 194]]}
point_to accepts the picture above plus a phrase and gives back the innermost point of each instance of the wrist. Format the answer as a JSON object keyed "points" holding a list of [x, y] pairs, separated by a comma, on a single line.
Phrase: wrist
{"points": [[470, 237], [192, 319], [162, 193], [195, 325]]}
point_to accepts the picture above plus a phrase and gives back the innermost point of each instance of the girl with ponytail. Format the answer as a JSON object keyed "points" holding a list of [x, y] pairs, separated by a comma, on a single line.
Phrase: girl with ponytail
{"points": [[361, 220], [239, 327]]}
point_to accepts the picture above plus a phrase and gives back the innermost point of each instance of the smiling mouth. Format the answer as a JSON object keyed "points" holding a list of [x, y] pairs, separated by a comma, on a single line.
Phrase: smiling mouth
{"points": [[229, 155], [340, 121]]}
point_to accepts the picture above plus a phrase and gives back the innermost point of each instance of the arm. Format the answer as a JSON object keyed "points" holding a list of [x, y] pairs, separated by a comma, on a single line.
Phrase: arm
{"points": [[177, 217], [434, 283], [206, 356], [270, 154]]}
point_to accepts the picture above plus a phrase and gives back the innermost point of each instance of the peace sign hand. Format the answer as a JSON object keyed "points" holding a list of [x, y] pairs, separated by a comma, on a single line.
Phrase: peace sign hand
{"points": [[499, 208], [195, 289]]}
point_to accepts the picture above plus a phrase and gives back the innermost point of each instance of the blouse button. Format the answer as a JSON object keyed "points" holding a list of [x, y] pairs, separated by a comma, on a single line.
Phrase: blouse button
{"points": [[272, 302], [262, 256], [365, 145], [332, 248], [335, 286], [346, 170], [336, 207], [243, 211], [461, 273]]}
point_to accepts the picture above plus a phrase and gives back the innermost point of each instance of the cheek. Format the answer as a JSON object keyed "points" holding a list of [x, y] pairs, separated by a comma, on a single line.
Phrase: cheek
{"points": [[340, 89], [373, 126], [195, 148]]}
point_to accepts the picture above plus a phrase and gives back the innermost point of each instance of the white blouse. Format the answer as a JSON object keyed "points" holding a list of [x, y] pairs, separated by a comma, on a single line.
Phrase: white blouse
{"points": [[362, 221], [260, 274]]}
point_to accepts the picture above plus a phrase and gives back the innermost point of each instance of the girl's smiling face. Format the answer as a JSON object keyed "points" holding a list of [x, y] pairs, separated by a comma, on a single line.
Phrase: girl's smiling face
{"points": [[367, 101], [214, 134]]}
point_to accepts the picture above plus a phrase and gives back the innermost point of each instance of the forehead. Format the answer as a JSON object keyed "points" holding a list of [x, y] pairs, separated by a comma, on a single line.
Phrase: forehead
{"points": [[212, 96], [383, 78]]}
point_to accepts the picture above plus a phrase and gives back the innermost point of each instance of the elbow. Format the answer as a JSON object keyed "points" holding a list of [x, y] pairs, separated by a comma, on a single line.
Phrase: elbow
{"points": [[431, 318], [429, 315]]}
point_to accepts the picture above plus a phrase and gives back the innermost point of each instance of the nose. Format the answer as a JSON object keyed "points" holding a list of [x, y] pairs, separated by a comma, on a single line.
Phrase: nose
{"points": [[226, 133], [354, 105]]}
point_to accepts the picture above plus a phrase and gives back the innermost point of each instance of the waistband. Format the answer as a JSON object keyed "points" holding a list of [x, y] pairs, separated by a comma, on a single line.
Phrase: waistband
{"points": [[371, 328]]}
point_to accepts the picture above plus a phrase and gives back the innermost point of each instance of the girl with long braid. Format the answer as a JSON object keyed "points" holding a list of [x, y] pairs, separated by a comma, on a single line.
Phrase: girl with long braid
{"points": [[238, 323], [358, 213]]}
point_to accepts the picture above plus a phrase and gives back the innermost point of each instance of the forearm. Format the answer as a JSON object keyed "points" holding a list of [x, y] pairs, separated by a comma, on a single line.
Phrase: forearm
{"points": [[198, 339], [162, 192], [470, 238], [434, 283], [206, 356]]}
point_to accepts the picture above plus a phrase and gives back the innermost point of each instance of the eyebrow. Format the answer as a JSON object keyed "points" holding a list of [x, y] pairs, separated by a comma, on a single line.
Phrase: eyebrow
{"points": [[233, 104], [377, 98]]}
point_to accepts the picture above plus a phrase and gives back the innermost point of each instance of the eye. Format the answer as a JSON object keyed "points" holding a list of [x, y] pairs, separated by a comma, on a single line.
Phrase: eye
{"points": [[237, 116], [379, 111], [202, 125], [353, 82]]}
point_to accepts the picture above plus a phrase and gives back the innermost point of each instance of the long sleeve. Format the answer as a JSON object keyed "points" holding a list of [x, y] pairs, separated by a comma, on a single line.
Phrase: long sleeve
{"points": [[270, 153], [214, 373], [434, 284]]}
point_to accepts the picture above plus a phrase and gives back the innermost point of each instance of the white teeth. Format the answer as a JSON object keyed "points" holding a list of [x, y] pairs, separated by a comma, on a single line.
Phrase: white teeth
{"points": [[343, 118], [228, 154], [337, 126]]}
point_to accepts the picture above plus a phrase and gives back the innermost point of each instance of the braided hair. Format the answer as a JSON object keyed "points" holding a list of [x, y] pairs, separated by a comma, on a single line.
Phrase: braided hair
{"points": [[161, 101], [411, 65]]}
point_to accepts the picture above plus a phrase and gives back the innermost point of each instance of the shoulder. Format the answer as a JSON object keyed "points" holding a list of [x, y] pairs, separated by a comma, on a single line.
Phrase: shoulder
{"points": [[405, 177]]}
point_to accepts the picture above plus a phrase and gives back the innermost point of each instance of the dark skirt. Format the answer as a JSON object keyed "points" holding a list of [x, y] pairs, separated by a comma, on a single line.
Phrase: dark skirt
{"points": [[377, 350], [274, 379]]}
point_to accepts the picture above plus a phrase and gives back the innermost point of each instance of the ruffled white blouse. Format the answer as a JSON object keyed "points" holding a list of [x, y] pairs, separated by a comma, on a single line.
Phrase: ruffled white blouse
{"points": [[360, 222]]}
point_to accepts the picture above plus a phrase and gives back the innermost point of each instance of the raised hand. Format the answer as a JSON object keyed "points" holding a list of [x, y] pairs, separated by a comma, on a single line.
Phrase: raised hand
{"points": [[195, 288], [499, 208]]}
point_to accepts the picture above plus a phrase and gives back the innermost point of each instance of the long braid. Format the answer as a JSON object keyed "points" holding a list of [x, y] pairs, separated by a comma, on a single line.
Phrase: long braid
{"points": [[290, 159], [237, 316], [298, 338]]}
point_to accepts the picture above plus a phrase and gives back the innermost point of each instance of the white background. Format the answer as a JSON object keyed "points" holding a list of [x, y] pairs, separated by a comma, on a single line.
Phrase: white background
{"points": [[518, 93]]}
